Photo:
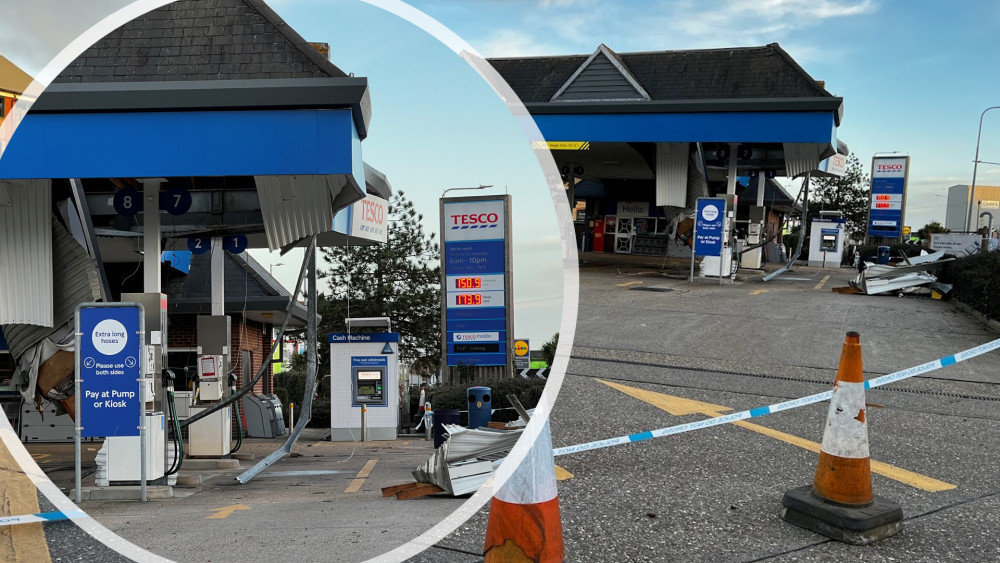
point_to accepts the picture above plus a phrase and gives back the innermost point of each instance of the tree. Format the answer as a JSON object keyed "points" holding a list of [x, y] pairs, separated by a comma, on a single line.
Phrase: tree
{"points": [[933, 227], [848, 194], [549, 349], [400, 279]]}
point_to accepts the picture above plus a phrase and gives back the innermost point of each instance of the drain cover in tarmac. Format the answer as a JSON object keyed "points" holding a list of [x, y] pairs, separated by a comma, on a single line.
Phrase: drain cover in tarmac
{"points": [[660, 288]]}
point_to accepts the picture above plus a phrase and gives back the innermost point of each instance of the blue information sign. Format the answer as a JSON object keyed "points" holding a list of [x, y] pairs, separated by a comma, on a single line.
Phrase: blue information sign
{"points": [[110, 366], [708, 226], [363, 337]]}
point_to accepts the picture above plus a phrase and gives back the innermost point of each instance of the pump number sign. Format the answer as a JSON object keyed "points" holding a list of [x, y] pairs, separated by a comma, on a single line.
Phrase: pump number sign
{"points": [[477, 280]]}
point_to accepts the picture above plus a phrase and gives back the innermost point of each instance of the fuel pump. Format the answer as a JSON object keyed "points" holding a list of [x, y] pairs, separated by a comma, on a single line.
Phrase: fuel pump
{"points": [[752, 256], [212, 435]]}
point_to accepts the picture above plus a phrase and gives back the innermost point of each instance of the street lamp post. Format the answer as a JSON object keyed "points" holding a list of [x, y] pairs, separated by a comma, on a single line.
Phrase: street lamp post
{"points": [[975, 166]]}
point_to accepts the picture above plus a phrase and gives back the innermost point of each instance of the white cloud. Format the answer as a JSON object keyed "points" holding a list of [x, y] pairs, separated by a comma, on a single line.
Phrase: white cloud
{"points": [[514, 43]]}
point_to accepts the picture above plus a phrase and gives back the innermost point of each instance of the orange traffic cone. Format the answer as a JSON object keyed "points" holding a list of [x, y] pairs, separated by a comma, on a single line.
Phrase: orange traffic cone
{"points": [[840, 503], [524, 523]]}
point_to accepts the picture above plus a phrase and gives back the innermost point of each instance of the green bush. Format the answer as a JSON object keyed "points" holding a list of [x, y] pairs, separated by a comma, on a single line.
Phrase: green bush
{"points": [[895, 250], [527, 391], [293, 383], [976, 281]]}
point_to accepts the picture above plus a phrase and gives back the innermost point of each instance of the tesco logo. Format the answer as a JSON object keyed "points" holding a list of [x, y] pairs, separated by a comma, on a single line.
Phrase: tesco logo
{"points": [[372, 212], [475, 219], [889, 167]]}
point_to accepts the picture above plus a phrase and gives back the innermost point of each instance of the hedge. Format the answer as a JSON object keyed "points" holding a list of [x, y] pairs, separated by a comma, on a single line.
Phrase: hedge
{"points": [[976, 282], [527, 391]]}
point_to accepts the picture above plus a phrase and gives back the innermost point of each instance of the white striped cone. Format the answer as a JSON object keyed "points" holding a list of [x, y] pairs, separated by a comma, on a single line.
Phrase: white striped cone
{"points": [[524, 523], [843, 473]]}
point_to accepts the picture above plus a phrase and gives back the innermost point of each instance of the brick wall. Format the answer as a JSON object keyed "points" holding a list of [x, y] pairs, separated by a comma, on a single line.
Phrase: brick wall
{"points": [[253, 337]]}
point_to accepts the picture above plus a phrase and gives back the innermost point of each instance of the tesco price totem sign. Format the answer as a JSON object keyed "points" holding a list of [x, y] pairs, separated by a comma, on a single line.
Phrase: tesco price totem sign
{"points": [[476, 277], [888, 196]]}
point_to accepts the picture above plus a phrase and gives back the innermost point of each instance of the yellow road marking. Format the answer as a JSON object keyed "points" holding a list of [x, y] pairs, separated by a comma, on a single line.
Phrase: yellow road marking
{"points": [[39, 457], [758, 291], [822, 282], [367, 469], [562, 474], [22, 542], [631, 283], [359, 479], [679, 406], [225, 511]]}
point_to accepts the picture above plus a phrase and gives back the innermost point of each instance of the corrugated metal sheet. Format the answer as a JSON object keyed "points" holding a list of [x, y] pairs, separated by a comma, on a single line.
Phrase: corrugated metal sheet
{"points": [[295, 207], [25, 254], [802, 157], [75, 281], [671, 174]]}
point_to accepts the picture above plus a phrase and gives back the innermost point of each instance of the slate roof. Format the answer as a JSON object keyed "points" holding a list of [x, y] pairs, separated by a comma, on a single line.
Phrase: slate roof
{"points": [[201, 40], [745, 72], [248, 285]]}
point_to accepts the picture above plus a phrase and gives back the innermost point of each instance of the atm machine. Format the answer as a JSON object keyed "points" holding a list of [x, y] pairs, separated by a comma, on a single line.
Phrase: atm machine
{"points": [[364, 374]]}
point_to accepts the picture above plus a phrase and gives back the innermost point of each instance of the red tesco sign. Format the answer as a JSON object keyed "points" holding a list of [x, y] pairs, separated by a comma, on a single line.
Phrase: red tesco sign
{"points": [[475, 219]]}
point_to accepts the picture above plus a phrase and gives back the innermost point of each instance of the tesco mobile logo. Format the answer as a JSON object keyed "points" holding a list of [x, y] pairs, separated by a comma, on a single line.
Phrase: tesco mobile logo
{"points": [[475, 221]]}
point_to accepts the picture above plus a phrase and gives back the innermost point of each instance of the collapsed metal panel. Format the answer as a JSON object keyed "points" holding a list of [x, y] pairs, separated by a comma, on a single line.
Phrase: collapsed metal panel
{"points": [[75, 281], [803, 157], [25, 252], [295, 207], [671, 174]]}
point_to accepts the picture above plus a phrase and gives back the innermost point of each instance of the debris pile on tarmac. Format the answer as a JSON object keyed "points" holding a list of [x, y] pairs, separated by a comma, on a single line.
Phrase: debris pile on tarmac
{"points": [[912, 277]]}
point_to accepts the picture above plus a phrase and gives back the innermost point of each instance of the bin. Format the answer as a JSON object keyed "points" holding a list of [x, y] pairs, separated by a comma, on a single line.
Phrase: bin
{"points": [[442, 417], [883, 255], [480, 407]]}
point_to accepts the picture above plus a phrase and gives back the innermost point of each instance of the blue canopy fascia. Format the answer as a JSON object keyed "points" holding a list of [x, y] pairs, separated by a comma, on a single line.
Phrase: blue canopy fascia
{"points": [[185, 143], [708, 127]]}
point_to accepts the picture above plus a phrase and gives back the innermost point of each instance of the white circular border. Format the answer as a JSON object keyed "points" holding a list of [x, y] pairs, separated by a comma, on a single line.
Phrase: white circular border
{"points": [[567, 326]]}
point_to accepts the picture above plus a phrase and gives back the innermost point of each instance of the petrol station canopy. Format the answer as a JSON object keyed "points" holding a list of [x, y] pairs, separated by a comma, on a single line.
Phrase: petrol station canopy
{"points": [[636, 116]]}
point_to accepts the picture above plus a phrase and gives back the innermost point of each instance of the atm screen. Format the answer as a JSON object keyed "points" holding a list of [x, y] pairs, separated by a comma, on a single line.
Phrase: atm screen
{"points": [[366, 389], [362, 375]]}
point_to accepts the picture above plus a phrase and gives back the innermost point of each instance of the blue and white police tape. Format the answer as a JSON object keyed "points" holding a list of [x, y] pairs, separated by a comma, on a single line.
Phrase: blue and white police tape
{"points": [[41, 517], [794, 403]]}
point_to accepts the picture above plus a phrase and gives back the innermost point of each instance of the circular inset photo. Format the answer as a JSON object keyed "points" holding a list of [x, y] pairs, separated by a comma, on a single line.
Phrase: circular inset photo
{"points": [[283, 279]]}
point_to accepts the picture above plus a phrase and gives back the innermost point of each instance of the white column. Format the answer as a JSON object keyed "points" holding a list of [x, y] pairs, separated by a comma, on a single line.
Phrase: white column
{"points": [[760, 188], [151, 234], [731, 180], [218, 278]]}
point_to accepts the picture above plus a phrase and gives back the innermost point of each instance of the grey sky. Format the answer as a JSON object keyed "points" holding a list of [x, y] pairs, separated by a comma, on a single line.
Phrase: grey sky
{"points": [[32, 33]]}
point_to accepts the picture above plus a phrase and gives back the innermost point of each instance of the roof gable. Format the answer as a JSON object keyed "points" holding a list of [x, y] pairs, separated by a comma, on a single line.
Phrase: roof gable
{"points": [[702, 74], [201, 40], [603, 76]]}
